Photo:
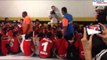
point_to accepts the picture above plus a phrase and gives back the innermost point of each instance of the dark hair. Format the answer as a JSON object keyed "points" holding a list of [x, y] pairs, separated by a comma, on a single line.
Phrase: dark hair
{"points": [[40, 34], [6, 18], [52, 12], [59, 34], [24, 12], [64, 9], [48, 34], [15, 33], [37, 20], [5, 30]]}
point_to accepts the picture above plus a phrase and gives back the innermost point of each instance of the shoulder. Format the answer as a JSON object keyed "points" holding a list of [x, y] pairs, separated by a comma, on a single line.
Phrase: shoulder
{"points": [[27, 17], [67, 15]]}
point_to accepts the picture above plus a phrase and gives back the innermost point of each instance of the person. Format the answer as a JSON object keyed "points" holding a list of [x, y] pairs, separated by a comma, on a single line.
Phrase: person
{"points": [[61, 45], [28, 46], [6, 20], [101, 14], [46, 46], [27, 24], [14, 43], [37, 37], [56, 10], [4, 42], [27, 28], [88, 45], [53, 18], [68, 28]]}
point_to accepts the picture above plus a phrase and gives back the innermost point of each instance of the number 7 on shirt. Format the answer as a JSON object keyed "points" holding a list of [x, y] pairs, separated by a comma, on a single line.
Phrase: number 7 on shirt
{"points": [[45, 44]]}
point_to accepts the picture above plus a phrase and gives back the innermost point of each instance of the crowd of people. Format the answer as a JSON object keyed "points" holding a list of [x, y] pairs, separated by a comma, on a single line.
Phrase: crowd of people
{"points": [[63, 40]]}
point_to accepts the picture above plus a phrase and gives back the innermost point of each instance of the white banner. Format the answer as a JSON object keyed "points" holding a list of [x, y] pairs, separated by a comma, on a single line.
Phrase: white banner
{"points": [[100, 2]]}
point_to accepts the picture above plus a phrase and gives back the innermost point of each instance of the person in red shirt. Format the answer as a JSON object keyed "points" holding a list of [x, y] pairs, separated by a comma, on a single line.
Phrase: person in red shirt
{"points": [[37, 25], [14, 43], [46, 45], [61, 45], [78, 44], [4, 42], [27, 46]]}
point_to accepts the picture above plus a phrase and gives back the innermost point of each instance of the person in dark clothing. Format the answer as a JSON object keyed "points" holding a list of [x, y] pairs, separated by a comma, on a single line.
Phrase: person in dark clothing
{"points": [[101, 15]]}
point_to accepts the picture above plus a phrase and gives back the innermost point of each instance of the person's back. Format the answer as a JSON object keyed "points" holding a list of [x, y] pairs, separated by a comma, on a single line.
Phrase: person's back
{"points": [[46, 45], [61, 46]]}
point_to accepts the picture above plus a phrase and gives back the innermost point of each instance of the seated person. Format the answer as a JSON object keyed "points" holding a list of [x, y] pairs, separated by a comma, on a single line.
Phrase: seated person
{"points": [[27, 45], [38, 36], [61, 45], [46, 46], [14, 43]]}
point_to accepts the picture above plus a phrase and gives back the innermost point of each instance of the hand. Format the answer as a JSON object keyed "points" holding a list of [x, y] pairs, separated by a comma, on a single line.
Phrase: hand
{"points": [[104, 33], [87, 44]]}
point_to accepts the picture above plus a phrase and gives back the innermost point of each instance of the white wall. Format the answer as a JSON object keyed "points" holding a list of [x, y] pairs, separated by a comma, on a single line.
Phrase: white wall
{"points": [[41, 8]]}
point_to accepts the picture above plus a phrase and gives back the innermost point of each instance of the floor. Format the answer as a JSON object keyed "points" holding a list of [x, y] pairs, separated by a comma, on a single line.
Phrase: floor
{"points": [[21, 57]]}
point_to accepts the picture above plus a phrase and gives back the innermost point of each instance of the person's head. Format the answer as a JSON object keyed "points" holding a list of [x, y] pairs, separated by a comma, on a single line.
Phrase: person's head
{"points": [[15, 33], [37, 21], [24, 14], [40, 34], [21, 20], [59, 34], [53, 7], [6, 18], [48, 35], [64, 10]]}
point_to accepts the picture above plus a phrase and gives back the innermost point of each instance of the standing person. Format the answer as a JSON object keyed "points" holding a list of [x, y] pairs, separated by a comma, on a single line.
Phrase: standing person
{"points": [[27, 28], [53, 18], [57, 12], [68, 28], [27, 24]]}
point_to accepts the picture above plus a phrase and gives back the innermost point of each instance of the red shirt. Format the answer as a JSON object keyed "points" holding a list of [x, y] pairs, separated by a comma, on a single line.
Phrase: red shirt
{"points": [[15, 46], [45, 47], [10, 33], [61, 47], [78, 44]]}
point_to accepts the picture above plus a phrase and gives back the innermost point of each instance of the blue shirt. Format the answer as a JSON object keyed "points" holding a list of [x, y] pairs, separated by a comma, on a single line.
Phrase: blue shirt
{"points": [[70, 28]]}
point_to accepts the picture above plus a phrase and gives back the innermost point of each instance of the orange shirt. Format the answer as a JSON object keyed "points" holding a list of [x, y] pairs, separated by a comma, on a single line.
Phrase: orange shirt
{"points": [[27, 21], [65, 22]]}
